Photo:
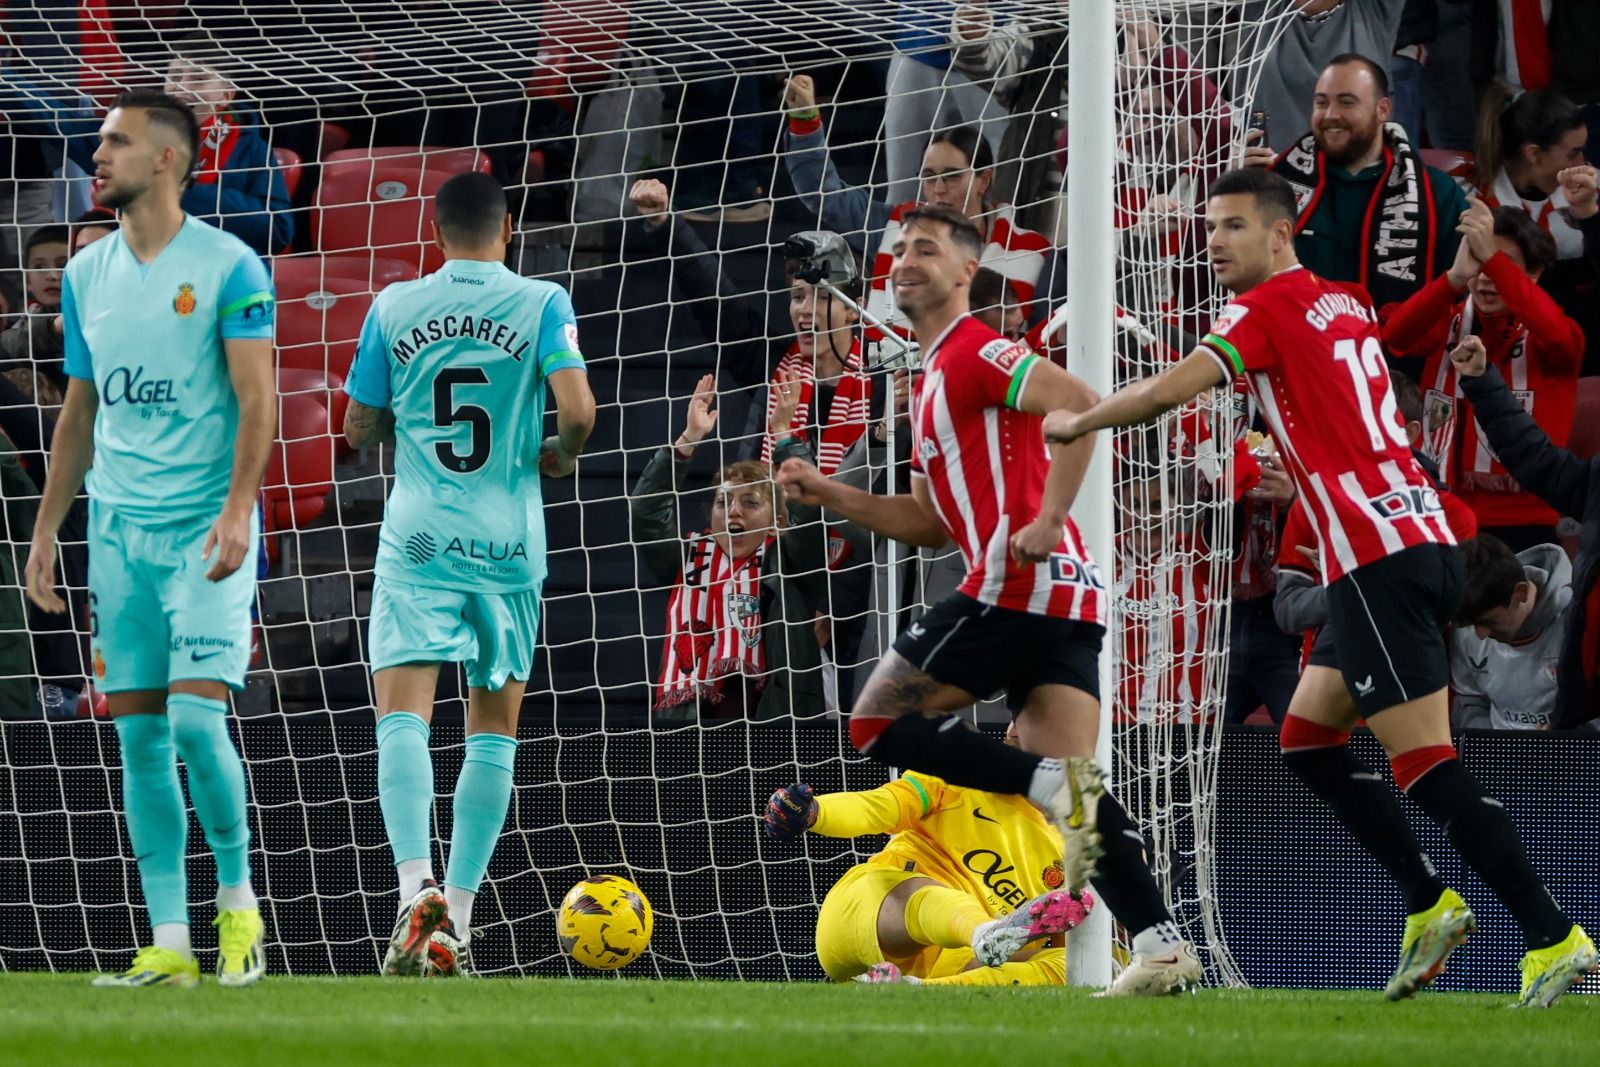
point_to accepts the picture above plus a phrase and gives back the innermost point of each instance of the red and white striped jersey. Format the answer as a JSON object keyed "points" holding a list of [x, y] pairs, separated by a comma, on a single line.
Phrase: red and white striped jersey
{"points": [[1311, 352], [985, 463], [1014, 252]]}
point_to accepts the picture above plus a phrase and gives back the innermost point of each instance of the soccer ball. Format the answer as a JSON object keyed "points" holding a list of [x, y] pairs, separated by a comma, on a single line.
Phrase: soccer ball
{"points": [[605, 922]]}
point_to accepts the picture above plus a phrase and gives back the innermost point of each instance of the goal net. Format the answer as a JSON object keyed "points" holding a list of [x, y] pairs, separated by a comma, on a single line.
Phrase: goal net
{"points": [[648, 748]]}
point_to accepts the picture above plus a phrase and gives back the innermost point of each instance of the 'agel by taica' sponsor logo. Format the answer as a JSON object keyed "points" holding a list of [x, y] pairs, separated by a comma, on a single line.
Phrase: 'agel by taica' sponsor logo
{"points": [[129, 385], [995, 872]]}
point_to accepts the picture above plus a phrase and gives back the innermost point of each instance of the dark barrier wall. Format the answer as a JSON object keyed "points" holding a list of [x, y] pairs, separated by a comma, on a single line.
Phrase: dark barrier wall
{"points": [[1300, 904]]}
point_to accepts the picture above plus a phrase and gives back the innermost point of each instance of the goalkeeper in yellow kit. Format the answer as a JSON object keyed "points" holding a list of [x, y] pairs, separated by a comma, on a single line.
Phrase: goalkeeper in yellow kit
{"points": [[966, 883]]}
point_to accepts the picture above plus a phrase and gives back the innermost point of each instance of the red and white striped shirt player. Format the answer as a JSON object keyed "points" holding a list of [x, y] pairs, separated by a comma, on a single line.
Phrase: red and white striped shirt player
{"points": [[1311, 353], [985, 463]]}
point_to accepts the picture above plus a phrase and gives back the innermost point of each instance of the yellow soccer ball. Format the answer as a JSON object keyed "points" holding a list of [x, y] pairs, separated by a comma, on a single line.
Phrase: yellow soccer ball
{"points": [[605, 922]]}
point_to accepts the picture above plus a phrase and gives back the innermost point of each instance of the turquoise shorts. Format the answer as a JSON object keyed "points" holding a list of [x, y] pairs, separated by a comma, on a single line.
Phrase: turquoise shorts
{"points": [[492, 633], [154, 617]]}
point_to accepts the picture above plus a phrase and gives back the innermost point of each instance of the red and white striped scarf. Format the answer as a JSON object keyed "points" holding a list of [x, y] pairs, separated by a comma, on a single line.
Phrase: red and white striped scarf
{"points": [[847, 414], [713, 624], [1526, 59], [219, 136], [1550, 213], [1463, 456], [1012, 251]]}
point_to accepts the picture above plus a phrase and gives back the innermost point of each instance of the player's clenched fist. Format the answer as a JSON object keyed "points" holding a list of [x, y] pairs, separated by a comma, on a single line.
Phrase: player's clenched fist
{"points": [[792, 810], [649, 198], [1061, 427], [802, 482], [554, 459], [1469, 357]]}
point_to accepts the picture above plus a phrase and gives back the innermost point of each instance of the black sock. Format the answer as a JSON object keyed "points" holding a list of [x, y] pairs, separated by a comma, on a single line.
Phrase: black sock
{"points": [[1369, 809], [944, 747], [1480, 829], [1123, 879]]}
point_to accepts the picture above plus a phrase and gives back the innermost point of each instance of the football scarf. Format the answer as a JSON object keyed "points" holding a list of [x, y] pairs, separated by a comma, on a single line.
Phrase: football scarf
{"points": [[219, 135], [1397, 255], [713, 624], [1463, 456]]}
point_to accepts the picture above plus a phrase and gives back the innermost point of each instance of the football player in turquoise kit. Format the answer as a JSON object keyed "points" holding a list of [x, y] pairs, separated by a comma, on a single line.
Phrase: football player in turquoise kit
{"points": [[168, 335], [453, 367]]}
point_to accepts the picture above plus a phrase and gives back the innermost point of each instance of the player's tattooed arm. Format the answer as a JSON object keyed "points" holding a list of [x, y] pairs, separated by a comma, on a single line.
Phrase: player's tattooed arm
{"points": [[364, 426]]}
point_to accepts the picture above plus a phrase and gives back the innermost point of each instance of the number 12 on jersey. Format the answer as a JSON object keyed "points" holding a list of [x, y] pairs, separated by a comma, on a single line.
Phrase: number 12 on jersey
{"points": [[1366, 366]]}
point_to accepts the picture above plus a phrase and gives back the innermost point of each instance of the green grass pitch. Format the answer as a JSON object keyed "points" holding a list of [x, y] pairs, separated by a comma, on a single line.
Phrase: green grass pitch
{"points": [[58, 1019]]}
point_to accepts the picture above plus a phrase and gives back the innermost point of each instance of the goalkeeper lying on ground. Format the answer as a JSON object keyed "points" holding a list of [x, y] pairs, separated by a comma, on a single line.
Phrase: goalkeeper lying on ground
{"points": [[967, 882]]}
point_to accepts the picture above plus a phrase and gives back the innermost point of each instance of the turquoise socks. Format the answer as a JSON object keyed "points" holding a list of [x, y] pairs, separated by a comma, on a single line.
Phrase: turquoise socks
{"points": [[158, 825], [405, 784], [483, 793], [216, 780]]}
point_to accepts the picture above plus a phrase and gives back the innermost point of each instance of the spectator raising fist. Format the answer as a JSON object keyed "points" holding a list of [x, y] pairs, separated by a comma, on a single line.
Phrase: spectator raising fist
{"points": [[649, 198], [800, 97], [1470, 357], [1579, 185]]}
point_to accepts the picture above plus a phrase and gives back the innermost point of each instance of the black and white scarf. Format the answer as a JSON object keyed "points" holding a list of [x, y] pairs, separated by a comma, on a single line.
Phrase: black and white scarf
{"points": [[1399, 225]]}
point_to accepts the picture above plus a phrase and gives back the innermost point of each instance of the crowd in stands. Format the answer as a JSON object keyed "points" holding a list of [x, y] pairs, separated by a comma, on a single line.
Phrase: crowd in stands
{"points": [[1469, 220]]}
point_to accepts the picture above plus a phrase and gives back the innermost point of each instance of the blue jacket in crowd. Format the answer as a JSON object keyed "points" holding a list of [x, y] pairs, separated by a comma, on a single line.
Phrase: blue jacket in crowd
{"points": [[249, 199]]}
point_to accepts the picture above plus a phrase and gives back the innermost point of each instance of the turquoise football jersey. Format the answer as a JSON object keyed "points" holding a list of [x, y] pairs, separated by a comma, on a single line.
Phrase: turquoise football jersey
{"points": [[149, 336], [461, 357]]}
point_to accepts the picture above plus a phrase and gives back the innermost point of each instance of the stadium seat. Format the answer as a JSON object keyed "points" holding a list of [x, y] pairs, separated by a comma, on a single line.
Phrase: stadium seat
{"points": [[328, 389], [1585, 439], [357, 268], [288, 161], [333, 138], [432, 157], [1456, 164], [299, 473], [320, 313], [382, 199], [581, 37]]}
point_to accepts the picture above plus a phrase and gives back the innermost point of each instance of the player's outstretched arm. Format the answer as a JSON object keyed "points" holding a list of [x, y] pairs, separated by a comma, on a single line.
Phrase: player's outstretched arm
{"points": [[71, 454], [1141, 401], [251, 372], [907, 518], [1050, 388], [574, 422], [884, 810]]}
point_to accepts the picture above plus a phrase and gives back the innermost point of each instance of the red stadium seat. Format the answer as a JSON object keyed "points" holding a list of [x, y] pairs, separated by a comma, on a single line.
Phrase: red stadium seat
{"points": [[1585, 439], [300, 469], [382, 200], [1456, 164], [333, 138], [357, 268], [449, 160], [288, 162], [581, 37], [320, 314]]}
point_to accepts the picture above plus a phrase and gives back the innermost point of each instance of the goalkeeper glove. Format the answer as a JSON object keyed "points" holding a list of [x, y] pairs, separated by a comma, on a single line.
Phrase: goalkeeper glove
{"points": [[791, 811]]}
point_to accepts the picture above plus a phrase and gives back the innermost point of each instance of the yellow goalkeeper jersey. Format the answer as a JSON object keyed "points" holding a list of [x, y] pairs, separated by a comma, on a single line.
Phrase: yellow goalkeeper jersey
{"points": [[996, 846]]}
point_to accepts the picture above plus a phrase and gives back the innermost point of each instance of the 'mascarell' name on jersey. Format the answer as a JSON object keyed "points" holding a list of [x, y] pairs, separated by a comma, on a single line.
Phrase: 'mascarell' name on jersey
{"points": [[461, 356]]}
